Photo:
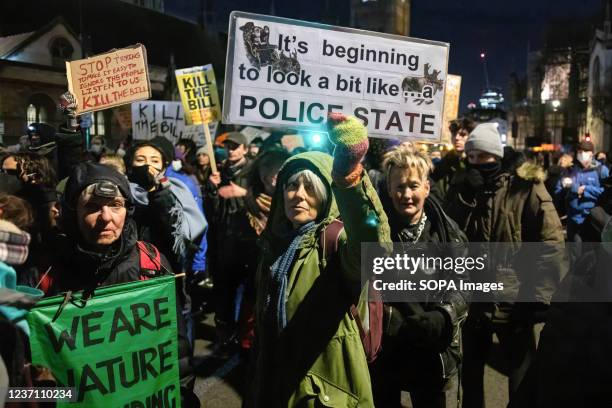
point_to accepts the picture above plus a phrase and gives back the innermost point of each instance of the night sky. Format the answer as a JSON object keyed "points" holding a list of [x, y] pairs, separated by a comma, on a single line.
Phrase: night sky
{"points": [[501, 28]]}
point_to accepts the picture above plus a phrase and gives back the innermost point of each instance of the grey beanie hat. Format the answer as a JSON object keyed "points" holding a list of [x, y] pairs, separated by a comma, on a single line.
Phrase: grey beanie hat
{"points": [[486, 138]]}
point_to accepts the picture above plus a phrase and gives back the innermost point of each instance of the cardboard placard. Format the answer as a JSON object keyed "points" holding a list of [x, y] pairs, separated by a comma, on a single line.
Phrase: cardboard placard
{"points": [[283, 72], [451, 104], [110, 79]]}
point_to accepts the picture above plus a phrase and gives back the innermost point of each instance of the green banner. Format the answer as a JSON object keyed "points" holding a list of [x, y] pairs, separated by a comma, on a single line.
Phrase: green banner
{"points": [[118, 350]]}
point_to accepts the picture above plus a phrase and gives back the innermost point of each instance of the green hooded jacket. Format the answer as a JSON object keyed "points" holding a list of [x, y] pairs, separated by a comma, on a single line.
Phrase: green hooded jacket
{"points": [[318, 358]]}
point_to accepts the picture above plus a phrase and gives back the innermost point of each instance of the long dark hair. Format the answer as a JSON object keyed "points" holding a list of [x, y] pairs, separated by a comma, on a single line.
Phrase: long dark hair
{"points": [[269, 158], [37, 167]]}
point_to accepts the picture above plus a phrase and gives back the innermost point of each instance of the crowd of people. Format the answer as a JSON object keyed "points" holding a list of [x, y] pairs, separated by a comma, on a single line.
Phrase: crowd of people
{"points": [[270, 244]]}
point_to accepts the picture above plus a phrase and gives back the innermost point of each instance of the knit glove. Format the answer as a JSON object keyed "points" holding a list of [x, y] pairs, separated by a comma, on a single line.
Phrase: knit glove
{"points": [[350, 139]]}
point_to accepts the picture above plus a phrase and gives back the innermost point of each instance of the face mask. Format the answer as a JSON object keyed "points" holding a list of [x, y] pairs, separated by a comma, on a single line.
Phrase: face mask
{"points": [[584, 157], [95, 149], [120, 152], [436, 160], [177, 165], [141, 176], [488, 170]]}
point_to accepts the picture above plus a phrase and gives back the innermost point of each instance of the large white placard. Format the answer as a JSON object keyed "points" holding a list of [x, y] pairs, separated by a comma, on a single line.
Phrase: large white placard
{"points": [[283, 72], [165, 118]]}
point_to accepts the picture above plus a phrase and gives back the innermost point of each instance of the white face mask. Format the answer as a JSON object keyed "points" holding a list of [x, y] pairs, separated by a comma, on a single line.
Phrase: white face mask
{"points": [[585, 157], [120, 152], [177, 165], [95, 148]]}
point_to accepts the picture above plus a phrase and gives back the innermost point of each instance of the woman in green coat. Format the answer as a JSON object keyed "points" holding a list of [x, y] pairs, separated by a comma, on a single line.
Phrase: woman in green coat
{"points": [[308, 349]]}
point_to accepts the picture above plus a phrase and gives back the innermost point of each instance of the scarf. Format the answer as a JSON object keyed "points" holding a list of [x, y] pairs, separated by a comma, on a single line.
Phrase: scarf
{"points": [[276, 301], [14, 247]]}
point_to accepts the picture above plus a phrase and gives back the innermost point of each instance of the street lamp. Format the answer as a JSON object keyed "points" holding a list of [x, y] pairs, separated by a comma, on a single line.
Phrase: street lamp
{"points": [[484, 66], [556, 104]]}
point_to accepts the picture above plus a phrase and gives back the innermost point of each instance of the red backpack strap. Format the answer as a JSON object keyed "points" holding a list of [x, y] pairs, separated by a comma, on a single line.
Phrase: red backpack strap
{"points": [[150, 260], [330, 238]]}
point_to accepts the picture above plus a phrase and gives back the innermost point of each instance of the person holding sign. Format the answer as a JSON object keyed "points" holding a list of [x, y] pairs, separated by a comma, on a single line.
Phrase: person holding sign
{"points": [[101, 247], [308, 346]]}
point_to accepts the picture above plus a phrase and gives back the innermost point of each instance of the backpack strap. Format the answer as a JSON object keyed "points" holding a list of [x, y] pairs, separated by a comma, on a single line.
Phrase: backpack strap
{"points": [[330, 239], [150, 260]]}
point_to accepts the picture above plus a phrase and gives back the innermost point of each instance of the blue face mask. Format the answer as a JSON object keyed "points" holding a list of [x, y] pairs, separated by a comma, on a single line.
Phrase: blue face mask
{"points": [[436, 160]]}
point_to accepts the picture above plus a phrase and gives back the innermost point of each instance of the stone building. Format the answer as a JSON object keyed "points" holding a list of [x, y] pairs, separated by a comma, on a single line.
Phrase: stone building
{"points": [[599, 114], [33, 51], [385, 16]]}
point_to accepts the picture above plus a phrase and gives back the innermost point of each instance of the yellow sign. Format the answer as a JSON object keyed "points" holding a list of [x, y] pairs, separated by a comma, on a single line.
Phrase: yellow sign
{"points": [[451, 104], [110, 79], [198, 89]]}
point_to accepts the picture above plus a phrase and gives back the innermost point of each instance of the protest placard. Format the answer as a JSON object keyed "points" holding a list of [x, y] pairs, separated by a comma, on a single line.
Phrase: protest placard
{"points": [[198, 89], [292, 73], [252, 133], [110, 79], [123, 114], [451, 104], [167, 119], [119, 350]]}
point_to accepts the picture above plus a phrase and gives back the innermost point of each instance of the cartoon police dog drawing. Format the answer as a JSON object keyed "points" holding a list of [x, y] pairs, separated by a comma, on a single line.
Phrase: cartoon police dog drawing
{"points": [[423, 87], [261, 53]]}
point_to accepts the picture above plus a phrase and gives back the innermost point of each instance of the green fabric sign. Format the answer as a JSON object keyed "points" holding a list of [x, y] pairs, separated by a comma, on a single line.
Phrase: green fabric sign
{"points": [[119, 350]]}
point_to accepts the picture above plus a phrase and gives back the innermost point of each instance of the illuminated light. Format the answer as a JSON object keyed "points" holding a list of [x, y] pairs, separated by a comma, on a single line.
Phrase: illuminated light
{"points": [[316, 138], [556, 103], [371, 220], [482, 55]]}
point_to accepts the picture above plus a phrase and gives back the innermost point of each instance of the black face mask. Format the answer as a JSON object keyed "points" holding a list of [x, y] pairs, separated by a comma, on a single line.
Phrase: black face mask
{"points": [[141, 176], [488, 170]]}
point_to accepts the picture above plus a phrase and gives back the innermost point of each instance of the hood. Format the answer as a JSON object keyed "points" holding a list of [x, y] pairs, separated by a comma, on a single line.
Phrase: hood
{"points": [[531, 172], [320, 164]]}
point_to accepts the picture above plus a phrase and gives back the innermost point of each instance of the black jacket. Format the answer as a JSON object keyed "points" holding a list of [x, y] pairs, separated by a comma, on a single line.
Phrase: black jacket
{"points": [[432, 362]]}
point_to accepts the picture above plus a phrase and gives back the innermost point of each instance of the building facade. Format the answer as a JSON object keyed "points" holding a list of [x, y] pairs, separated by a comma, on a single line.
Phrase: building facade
{"points": [[599, 114], [385, 16]]}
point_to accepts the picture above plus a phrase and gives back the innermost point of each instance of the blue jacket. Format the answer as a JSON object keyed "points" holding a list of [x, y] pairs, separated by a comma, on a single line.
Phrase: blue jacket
{"points": [[199, 259], [579, 207]]}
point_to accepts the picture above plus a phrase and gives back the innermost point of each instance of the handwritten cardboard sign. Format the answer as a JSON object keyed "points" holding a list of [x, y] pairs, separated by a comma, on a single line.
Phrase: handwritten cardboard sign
{"points": [[111, 79]]}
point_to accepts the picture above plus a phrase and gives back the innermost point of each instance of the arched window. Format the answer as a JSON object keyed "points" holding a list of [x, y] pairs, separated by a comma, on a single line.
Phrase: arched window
{"points": [[31, 115], [595, 75], [61, 50], [39, 108]]}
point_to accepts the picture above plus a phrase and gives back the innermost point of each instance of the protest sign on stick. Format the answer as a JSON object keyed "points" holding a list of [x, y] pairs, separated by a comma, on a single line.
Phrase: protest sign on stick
{"points": [[118, 349], [110, 79], [451, 104], [283, 72], [198, 89], [165, 118]]}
